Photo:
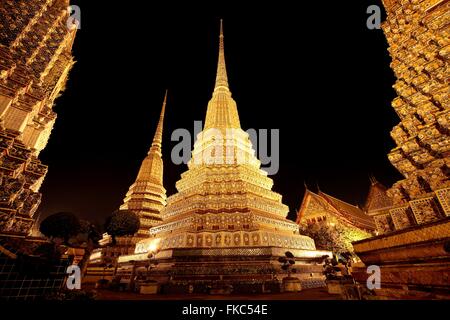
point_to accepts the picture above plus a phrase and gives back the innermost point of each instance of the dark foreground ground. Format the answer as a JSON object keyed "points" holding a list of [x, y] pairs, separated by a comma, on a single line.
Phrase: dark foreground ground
{"points": [[308, 294]]}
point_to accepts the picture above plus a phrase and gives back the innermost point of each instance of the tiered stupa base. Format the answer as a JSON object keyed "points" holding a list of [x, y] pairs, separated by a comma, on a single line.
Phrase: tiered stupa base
{"points": [[249, 269]]}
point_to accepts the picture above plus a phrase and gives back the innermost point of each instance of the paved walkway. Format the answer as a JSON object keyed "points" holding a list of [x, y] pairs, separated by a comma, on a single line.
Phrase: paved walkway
{"points": [[308, 294]]}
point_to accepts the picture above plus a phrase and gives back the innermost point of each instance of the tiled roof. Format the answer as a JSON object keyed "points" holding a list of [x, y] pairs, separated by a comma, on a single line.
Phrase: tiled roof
{"points": [[352, 213], [377, 198]]}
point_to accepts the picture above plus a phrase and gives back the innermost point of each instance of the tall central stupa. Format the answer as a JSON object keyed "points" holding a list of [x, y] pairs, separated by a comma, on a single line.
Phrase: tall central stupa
{"points": [[225, 222]]}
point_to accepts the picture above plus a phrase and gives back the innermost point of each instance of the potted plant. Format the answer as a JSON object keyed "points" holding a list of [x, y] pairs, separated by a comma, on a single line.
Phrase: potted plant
{"points": [[103, 283], [149, 287], [290, 284], [333, 280]]}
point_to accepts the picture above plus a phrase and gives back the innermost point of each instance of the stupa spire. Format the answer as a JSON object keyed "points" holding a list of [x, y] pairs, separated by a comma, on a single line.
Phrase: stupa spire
{"points": [[152, 166], [222, 110], [221, 76], [157, 139]]}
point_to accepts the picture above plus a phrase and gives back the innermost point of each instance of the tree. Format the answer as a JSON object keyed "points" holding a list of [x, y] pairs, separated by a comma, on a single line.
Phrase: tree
{"points": [[88, 232], [122, 223], [75, 233], [62, 225], [336, 238], [87, 238], [326, 237]]}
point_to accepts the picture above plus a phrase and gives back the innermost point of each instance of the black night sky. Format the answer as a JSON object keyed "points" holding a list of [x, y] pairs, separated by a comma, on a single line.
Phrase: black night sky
{"points": [[314, 71]]}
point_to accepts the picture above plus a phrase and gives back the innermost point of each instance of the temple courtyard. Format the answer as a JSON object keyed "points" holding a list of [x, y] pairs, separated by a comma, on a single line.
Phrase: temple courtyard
{"points": [[307, 294]]}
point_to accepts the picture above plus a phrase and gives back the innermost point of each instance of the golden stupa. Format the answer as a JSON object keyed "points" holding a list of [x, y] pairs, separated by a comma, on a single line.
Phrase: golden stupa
{"points": [[146, 197], [225, 222]]}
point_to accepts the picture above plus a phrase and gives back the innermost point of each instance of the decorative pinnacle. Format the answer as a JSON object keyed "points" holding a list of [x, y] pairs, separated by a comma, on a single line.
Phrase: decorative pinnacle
{"points": [[221, 77], [157, 140]]}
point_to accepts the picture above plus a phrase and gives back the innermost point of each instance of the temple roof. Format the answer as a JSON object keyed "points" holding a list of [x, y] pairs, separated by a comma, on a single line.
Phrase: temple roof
{"points": [[353, 213], [377, 199], [341, 209]]}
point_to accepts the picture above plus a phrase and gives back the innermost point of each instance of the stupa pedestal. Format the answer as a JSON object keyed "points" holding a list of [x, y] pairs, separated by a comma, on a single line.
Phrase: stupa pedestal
{"points": [[243, 268]]}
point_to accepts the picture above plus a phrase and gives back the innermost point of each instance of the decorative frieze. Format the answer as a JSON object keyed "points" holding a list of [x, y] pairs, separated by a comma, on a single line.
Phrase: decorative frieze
{"points": [[443, 196], [384, 223], [228, 239], [425, 210], [402, 217]]}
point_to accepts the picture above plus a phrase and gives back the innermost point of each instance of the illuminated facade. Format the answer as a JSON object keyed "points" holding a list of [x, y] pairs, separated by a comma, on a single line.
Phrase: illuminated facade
{"points": [[413, 251], [35, 60], [225, 214], [418, 37]]}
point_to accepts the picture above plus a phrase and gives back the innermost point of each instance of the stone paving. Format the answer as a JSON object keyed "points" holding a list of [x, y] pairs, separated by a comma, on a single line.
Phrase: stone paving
{"points": [[308, 294]]}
